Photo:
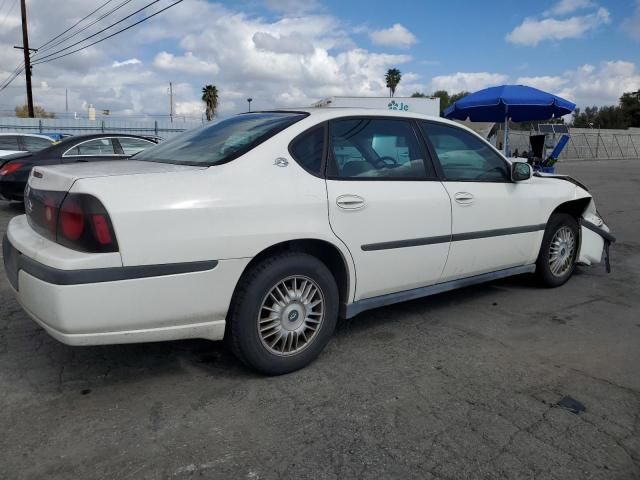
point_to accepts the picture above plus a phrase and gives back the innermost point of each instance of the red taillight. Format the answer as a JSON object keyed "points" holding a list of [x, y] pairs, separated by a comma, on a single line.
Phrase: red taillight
{"points": [[101, 229], [50, 215], [84, 224], [72, 220], [9, 168], [75, 220]]}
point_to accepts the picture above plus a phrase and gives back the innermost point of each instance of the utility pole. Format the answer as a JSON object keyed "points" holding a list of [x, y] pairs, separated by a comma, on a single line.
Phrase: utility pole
{"points": [[66, 100], [27, 59], [171, 101]]}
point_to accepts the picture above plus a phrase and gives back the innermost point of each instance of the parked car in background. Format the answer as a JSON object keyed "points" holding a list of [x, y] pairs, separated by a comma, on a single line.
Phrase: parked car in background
{"points": [[11, 143], [15, 168], [265, 227]]}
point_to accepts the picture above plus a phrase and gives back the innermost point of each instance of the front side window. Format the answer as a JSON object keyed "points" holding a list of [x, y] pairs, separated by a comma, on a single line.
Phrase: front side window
{"points": [[9, 142], [465, 157], [131, 146], [97, 147], [376, 148], [221, 141], [35, 144], [307, 149]]}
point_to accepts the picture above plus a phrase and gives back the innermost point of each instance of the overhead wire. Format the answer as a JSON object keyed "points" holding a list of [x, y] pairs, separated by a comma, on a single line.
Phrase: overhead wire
{"points": [[49, 45], [48, 59], [74, 25], [97, 33]]}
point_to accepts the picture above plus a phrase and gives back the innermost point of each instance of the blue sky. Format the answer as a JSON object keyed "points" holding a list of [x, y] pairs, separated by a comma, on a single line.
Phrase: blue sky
{"points": [[291, 53], [470, 36]]}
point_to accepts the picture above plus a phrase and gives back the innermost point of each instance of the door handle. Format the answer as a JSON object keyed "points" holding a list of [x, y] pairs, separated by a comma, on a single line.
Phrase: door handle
{"points": [[350, 202], [463, 198]]}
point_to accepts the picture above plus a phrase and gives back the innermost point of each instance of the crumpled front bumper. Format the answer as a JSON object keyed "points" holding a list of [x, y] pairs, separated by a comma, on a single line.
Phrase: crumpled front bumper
{"points": [[595, 241]]}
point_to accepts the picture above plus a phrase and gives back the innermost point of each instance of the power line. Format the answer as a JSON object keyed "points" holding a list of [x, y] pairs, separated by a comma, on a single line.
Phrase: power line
{"points": [[12, 76], [97, 33], [74, 25], [48, 46], [42, 60]]}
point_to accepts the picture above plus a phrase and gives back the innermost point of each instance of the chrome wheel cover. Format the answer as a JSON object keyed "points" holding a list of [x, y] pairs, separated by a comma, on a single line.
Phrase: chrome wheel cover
{"points": [[561, 251], [290, 315]]}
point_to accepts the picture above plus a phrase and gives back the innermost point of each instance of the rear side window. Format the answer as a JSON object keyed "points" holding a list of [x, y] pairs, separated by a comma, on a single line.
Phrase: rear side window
{"points": [[374, 148], [97, 147], [221, 141], [307, 149], [465, 157], [35, 144], [131, 146], [9, 142]]}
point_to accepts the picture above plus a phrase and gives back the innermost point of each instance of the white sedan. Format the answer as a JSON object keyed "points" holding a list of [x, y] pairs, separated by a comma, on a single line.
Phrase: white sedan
{"points": [[266, 227]]}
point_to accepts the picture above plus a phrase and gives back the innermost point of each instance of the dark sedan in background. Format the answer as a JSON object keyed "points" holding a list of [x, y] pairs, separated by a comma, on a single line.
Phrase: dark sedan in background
{"points": [[14, 169]]}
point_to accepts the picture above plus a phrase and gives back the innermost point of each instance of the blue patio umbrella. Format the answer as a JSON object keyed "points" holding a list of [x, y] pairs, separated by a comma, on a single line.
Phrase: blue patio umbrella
{"points": [[518, 103]]}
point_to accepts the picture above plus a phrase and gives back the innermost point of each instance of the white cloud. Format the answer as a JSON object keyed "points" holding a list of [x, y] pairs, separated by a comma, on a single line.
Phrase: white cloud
{"points": [[564, 7], [186, 64], [532, 31], [131, 61], [293, 43], [469, 82], [394, 36], [632, 24], [547, 83], [590, 85], [292, 60]]}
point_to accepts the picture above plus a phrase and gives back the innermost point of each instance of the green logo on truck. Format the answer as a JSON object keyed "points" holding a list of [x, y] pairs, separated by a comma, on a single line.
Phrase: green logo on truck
{"points": [[393, 105]]}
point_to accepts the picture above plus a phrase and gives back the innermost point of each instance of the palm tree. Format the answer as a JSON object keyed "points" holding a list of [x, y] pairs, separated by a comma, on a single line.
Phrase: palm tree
{"points": [[210, 98], [393, 78]]}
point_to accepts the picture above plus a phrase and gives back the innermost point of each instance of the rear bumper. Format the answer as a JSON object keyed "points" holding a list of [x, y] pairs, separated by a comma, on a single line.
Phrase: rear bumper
{"points": [[123, 304]]}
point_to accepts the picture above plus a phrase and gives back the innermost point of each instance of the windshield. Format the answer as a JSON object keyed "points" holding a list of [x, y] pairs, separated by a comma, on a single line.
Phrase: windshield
{"points": [[221, 141]]}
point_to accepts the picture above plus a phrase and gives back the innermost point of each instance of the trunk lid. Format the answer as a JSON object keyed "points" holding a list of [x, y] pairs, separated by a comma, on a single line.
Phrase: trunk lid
{"points": [[60, 178]]}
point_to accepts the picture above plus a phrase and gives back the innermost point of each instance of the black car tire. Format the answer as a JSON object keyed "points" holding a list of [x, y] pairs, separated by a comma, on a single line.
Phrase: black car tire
{"points": [[244, 322], [559, 223]]}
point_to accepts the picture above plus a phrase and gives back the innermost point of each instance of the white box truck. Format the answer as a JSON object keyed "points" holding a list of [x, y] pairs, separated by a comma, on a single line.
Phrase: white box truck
{"points": [[424, 105]]}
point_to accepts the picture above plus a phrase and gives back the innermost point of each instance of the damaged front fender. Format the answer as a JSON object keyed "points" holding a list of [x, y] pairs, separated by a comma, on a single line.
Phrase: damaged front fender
{"points": [[595, 238]]}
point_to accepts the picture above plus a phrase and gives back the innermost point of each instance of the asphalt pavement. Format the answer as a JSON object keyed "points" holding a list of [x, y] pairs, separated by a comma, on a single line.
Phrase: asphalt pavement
{"points": [[462, 385]]}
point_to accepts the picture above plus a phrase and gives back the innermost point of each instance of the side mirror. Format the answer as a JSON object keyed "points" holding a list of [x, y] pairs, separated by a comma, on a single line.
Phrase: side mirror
{"points": [[521, 171]]}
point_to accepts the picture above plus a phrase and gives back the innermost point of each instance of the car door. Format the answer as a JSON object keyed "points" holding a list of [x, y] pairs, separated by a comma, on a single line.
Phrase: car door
{"points": [[496, 223], [96, 149], [386, 204]]}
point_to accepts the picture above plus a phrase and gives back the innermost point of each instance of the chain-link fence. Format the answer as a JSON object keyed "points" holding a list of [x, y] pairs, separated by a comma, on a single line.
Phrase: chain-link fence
{"points": [[163, 129], [592, 144]]}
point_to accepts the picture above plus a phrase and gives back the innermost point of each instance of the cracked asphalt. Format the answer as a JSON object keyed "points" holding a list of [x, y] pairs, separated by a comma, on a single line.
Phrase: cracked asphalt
{"points": [[462, 385]]}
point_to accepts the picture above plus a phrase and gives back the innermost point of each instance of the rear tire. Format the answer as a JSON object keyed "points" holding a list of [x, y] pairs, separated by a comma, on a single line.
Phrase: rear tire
{"points": [[284, 313], [557, 258]]}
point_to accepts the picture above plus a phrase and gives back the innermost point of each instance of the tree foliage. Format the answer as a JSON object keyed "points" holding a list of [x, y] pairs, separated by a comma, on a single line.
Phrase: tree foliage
{"points": [[445, 99], [393, 77], [210, 99], [625, 114], [38, 111]]}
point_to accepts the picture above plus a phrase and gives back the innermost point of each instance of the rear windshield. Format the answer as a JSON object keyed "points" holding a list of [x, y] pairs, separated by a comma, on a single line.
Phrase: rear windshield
{"points": [[221, 141]]}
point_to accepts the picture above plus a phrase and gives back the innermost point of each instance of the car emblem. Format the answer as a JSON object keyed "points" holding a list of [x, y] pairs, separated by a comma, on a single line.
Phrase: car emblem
{"points": [[281, 162], [293, 316]]}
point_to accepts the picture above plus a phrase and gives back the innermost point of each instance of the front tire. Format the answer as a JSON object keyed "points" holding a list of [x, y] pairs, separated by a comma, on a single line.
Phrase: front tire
{"points": [[284, 313], [557, 258]]}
